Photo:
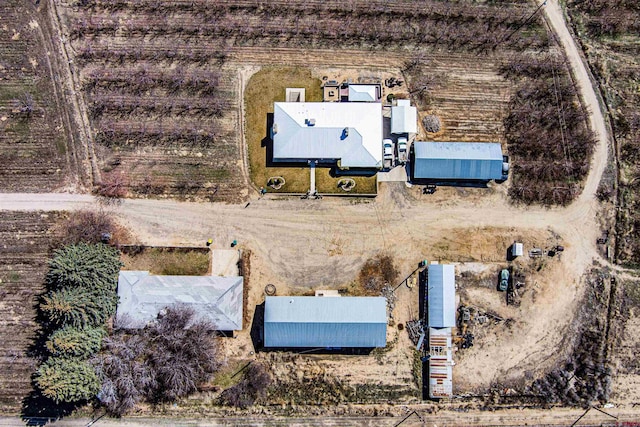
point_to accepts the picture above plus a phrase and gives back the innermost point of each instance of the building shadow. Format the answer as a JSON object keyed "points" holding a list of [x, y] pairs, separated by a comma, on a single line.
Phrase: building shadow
{"points": [[257, 328]]}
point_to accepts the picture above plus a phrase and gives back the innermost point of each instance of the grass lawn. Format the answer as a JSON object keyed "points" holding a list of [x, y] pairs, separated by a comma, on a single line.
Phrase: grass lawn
{"points": [[263, 89]]}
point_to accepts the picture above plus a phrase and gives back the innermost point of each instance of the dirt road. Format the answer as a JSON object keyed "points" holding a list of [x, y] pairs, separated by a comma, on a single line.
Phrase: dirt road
{"points": [[555, 18], [557, 417]]}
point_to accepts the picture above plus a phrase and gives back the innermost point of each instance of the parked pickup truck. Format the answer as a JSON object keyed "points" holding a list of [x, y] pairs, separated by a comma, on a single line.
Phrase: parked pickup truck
{"points": [[504, 280], [388, 153], [402, 150]]}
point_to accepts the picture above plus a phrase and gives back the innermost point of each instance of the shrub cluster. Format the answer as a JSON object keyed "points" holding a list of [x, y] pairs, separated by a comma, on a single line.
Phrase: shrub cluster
{"points": [[161, 363], [81, 296]]}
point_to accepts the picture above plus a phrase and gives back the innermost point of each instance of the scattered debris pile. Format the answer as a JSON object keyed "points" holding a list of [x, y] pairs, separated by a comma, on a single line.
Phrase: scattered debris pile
{"points": [[376, 273], [415, 329]]}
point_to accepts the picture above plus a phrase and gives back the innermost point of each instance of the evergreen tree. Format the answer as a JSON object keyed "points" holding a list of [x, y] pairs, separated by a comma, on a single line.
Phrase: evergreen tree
{"points": [[78, 307], [87, 266], [67, 380], [72, 342]]}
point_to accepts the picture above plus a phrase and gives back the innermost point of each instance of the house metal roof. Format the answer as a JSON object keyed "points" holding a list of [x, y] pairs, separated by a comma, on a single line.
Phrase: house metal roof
{"points": [[404, 118], [328, 131], [214, 298], [363, 93], [318, 322], [441, 296], [457, 160]]}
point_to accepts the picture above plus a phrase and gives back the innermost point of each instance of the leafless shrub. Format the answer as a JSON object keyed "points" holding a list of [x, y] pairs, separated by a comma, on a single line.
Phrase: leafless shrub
{"points": [[89, 227], [24, 105], [112, 187], [126, 377], [431, 123], [253, 386], [376, 273]]}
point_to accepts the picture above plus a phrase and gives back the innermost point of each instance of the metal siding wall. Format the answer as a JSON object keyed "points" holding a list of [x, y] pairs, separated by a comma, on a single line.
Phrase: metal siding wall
{"points": [[281, 334], [457, 169]]}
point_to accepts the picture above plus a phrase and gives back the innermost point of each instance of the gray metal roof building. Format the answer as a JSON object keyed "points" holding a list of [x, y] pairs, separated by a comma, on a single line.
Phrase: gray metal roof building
{"points": [[404, 118], [457, 160], [364, 92], [441, 282], [348, 132], [214, 298], [319, 322]]}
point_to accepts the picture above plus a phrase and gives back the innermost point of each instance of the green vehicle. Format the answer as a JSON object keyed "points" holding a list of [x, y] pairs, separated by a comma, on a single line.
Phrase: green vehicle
{"points": [[504, 280]]}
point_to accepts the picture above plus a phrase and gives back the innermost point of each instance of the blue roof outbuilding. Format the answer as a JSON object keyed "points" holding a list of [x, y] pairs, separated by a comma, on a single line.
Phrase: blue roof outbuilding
{"points": [[457, 160], [320, 322], [441, 282]]}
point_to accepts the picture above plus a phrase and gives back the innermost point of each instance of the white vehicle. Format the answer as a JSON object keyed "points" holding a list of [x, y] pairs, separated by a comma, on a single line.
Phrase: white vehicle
{"points": [[388, 153], [402, 150]]}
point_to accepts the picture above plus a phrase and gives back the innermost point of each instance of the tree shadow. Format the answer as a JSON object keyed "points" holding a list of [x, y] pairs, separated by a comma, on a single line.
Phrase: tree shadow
{"points": [[38, 410]]}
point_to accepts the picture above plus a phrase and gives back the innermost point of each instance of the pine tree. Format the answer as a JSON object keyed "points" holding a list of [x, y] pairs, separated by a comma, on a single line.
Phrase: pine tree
{"points": [[78, 307], [67, 380], [72, 342], [87, 266]]}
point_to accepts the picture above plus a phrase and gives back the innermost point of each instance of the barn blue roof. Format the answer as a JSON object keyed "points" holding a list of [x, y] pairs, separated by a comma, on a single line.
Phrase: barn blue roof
{"points": [[457, 160], [441, 282], [318, 322]]}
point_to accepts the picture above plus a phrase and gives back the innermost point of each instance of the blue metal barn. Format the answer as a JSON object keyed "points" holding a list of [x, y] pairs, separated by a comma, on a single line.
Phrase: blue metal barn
{"points": [[457, 160], [320, 322]]}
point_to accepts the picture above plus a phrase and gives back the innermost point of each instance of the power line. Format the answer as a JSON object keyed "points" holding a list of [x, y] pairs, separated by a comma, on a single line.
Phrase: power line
{"points": [[524, 23]]}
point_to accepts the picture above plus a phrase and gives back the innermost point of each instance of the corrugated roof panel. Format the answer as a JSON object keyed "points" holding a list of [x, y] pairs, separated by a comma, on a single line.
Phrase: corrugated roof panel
{"points": [[325, 322], [441, 296], [440, 363], [457, 160]]}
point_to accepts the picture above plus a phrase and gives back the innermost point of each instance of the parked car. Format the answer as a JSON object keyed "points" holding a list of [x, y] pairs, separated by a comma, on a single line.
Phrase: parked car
{"points": [[402, 150], [388, 153], [504, 280]]}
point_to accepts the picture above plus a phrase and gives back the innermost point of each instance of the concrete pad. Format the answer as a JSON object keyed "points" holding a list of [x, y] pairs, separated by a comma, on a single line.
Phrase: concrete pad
{"points": [[224, 262], [397, 174]]}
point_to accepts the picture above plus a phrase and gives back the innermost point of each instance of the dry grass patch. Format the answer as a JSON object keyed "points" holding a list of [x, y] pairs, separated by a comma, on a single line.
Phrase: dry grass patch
{"points": [[167, 261], [266, 87]]}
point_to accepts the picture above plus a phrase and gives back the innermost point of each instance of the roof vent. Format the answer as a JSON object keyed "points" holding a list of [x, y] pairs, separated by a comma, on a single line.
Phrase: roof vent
{"points": [[310, 122]]}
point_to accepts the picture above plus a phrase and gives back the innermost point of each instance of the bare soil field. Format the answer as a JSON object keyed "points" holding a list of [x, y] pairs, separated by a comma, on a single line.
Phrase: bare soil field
{"points": [[24, 255], [36, 149]]}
